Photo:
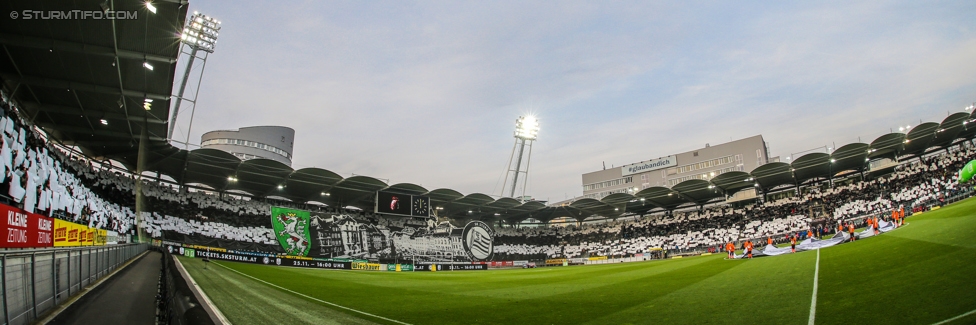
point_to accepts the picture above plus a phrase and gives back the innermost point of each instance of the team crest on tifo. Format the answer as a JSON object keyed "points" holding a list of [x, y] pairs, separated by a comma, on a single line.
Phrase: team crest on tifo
{"points": [[291, 227], [477, 239]]}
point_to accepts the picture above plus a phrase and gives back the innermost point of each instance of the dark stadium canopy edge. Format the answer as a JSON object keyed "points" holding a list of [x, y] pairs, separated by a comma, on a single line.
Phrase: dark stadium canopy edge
{"points": [[70, 74], [67, 76]]}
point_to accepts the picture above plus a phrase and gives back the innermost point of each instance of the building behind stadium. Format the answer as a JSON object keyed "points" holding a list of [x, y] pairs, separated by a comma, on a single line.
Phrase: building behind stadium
{"points": [[269, 142], [703, 163]]}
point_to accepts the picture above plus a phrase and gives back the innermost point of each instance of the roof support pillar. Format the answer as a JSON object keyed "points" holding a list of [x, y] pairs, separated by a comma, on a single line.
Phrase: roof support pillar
{"points": [[140, 167], [867, 164]]}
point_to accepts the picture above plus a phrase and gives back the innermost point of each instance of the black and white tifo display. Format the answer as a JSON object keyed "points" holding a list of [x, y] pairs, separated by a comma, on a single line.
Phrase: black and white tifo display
{"points": [[377, 237]]}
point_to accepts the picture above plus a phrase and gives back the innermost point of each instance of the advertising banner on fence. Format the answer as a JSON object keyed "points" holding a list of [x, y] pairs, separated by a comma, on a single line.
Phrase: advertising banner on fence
{"points": [[257, 259], [365, 266], [501, 263], [68, 233], [313, 264], [555, 261], [101, 236], [87, 237], [219, 256], [72, 234], [497, 263], [399, 267], [215, 253], [451, 267], [22, 229]]}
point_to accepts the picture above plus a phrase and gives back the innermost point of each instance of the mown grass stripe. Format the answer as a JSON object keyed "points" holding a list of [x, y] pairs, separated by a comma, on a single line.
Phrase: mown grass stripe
{"points": [[313, 298], [956, 318]]}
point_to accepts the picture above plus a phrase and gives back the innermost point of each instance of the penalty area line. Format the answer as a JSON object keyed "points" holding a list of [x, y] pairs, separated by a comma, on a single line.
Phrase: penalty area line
{"points": [[956, 318], [312, 298], [813, 301]]}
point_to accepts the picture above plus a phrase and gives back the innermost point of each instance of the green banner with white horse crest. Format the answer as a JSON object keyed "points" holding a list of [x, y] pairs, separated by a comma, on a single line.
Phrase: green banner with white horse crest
{"points": [[291, 227]]}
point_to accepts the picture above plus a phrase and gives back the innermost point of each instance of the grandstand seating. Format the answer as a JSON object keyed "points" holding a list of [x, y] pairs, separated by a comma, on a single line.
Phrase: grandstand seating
{"points": [[41, 179], [915, 185]]}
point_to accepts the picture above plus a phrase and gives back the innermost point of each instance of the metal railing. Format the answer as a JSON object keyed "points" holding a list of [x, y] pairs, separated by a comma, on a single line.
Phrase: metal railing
{"points": [[35, 281]]}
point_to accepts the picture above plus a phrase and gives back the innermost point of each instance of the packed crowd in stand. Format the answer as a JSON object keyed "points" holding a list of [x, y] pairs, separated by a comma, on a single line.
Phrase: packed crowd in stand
{"points": [[914, 185], [39, 178], [158, 223], [43, 178]]}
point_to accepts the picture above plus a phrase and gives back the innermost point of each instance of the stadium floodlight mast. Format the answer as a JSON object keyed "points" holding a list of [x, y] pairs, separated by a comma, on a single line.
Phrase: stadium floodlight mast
{"points": [[526, 131], [199, 35]]}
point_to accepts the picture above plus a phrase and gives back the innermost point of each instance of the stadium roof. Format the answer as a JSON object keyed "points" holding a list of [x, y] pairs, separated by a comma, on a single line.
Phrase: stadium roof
{"points": [[968, 129], [67, 75], [733, 181], [949, 130], [70, 74], [774, 174], [917, 140], [850, 157]]}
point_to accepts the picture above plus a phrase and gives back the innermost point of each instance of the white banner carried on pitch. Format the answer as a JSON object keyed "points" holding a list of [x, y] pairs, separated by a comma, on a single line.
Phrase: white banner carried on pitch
{"points": [[808, 244], [884, 227]]}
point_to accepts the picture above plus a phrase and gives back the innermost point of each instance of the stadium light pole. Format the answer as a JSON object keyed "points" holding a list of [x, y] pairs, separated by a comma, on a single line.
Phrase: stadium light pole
{"points": [[526, 131], [199, 35]]}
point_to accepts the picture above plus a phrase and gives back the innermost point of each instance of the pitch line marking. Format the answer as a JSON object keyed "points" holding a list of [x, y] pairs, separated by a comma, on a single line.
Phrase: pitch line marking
{"points": [[313, 298], [956, 318], [813, 301], [203, 295]]}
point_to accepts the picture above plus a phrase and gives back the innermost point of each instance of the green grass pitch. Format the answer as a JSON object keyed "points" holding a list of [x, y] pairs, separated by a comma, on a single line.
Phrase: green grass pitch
{"points": [[922, 273]]}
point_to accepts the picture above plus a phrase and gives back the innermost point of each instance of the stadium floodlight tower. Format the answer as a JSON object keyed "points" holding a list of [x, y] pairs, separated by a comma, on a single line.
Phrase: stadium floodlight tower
{"points": [[526, 131], [198, 36]]}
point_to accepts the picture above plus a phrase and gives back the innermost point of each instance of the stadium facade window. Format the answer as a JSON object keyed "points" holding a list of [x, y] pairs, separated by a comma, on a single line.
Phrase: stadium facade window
{"points": [[702, 165], [243, 156], [610, 183], [603, 194], [706, 175], [247, 143]]}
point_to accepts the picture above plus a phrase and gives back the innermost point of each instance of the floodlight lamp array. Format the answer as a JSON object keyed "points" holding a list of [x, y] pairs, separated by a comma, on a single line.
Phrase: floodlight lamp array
{"points": [[527, 127], [201, 32]]}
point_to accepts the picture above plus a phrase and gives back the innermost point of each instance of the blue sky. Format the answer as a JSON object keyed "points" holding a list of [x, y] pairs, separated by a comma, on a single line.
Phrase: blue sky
{"points": [[428, 92]]}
